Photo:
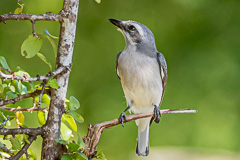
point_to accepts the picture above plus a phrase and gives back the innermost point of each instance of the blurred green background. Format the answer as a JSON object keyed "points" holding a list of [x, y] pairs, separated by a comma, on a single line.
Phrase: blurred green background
{"points": [[200, 41]]}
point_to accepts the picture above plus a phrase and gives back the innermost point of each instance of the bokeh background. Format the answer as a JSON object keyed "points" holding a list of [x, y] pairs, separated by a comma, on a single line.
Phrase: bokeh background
{"points": [[201, 43]]}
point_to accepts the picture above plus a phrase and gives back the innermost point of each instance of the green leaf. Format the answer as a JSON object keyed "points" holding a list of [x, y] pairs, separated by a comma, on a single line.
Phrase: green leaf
{"points": [[31, 46], [4, 63], [12, 88], [74, 103], [80, 142], [69, 119], [98, 1], [82, 155], [77, 117], [15, 143], [61, 141], [72, 147], [101, 156], [65, 132], [42, 117], [21, 88], [11, 94], [32, 154], [21, 73], [53, 83], [46, 99], [44, 59], [66, 157], [53, 45]]}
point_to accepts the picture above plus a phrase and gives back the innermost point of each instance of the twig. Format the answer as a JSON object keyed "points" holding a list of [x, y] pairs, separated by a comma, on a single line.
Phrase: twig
{"points": [[33, 29], [5, 149], [32, 17], [41, 95], [4, 108], [95, 131], [37, 78], [25, 148], [7, 70], [27, 131], [21, 97], [4, 122]]}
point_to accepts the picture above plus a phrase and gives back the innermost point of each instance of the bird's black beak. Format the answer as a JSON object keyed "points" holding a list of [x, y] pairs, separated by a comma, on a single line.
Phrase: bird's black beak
{"points": [[116, 22]]}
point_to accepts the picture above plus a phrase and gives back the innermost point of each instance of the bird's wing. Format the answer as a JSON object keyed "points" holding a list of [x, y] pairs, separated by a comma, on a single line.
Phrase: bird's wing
{"points": [[163, 71], [117, 64]]}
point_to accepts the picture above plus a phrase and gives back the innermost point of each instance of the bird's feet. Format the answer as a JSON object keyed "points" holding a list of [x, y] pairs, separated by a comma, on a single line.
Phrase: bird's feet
{"points": [[122, 117], [157, 114]]}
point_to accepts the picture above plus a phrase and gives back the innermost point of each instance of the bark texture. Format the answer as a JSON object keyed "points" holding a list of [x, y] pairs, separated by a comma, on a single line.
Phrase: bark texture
{"points": [[50, 149]]}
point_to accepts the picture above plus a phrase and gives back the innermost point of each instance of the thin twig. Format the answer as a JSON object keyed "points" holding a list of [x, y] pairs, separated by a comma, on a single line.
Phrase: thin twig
{"points": [[5, 149], [37, 78], [7, 70], [95, 131], [4, 108], [4, 122], [32, 17], [33, 29], [21, 97], [41, 95], [25, 148]]}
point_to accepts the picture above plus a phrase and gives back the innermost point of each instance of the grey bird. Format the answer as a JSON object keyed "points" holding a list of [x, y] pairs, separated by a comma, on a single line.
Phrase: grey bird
{"points": [[142, 71]]}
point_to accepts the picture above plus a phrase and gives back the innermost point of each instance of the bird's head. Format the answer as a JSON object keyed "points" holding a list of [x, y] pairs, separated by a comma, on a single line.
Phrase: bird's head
{"points": [[135, 34]]}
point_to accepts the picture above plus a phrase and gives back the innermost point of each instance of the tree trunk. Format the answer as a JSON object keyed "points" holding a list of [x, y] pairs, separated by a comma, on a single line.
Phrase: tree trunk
{"points": [[50, 149]]}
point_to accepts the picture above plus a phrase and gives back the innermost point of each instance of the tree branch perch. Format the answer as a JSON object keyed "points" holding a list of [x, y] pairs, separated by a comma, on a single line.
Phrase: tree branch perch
{"points": [[95, 131], [21, 97], [37, 78], [32, 17]]}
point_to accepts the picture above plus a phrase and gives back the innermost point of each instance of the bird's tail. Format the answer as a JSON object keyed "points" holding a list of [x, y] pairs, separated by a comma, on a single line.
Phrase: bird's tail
{"points": [[143, 136]]}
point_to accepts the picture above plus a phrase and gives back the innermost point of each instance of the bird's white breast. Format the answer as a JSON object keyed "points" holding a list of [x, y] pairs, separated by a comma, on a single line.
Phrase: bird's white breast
{"points": [[141, 82]]}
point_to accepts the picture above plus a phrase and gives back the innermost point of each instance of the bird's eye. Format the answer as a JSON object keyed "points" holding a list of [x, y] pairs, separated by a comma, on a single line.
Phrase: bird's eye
{"points": [[131, 28]]}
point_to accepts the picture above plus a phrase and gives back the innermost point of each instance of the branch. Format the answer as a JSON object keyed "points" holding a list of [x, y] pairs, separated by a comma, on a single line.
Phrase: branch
{"points": [[27, 131], [4, 122], [4, 108], [21, 97], [32, 17], [94, 132], [25, 148], [37, 78]]}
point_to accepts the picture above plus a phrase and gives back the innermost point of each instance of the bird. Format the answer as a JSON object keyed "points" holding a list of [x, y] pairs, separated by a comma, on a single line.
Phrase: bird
{"points": [[142, 71]]}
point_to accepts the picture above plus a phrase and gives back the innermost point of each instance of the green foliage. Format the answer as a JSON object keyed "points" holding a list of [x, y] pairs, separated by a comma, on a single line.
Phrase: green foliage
{"points": [[74, 104], [4, 63], [16, 145], [74, 148], [12, 88], [98, 1], [70, 120], [52, 83], [31, 46], [44, 59]]}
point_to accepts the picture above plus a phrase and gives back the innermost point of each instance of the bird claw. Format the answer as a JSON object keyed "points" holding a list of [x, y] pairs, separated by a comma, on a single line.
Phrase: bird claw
{"points": [[122, 117], [157, 114]]}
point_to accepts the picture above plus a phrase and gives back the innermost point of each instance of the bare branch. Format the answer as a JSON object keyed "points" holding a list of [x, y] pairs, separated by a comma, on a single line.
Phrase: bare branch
{"points": [[25, 148], [4, 108], [32, 17], [27, 131], [94, 132], [37, 78], [21, 97], [33, 29]]}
